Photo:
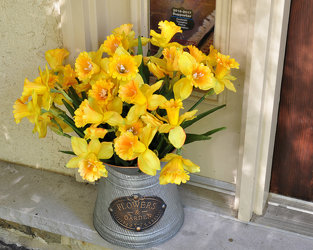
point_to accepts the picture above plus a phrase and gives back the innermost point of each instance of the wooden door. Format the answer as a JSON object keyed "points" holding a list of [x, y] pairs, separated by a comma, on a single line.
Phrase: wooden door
{"points": [[292, 171]]}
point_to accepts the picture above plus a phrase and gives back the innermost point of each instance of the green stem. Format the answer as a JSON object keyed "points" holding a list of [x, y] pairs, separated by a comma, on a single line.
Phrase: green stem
{"points": [[159, 53], [61, 91], [61, 114], [166, 150], [179, 151], [210, 92], [161, 142]]}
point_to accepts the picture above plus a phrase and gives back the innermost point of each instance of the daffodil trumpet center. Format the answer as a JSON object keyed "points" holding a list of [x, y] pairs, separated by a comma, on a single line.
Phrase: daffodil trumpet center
{"points": [[88, 67], [121, 68]]}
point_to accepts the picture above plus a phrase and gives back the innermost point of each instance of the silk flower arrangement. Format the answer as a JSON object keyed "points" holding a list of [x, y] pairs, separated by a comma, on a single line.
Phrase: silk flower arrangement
{"points": [[120, 114]]}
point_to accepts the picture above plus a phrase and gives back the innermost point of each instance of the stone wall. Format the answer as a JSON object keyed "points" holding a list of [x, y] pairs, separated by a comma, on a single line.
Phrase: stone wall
{"points": [[27, 29]]}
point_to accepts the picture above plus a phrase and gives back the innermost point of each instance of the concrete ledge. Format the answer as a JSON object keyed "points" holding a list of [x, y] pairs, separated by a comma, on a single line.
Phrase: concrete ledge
{"points": [[60, 205], [48, 201]]}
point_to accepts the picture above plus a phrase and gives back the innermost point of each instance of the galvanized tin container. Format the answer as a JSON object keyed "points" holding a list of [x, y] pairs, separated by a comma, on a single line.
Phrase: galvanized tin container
{"points": [[125, 196]]}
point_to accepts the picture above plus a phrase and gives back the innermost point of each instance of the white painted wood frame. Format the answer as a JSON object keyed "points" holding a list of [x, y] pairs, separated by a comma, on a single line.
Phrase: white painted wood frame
{"points": [[261, 99]]}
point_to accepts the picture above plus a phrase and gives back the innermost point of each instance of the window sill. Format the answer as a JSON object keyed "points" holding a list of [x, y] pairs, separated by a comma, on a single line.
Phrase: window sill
{"points": [[60, 205]]}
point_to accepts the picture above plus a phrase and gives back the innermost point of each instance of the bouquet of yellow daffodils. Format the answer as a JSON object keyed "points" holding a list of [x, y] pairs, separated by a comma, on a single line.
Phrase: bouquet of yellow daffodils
{"points": [[123, 107]]}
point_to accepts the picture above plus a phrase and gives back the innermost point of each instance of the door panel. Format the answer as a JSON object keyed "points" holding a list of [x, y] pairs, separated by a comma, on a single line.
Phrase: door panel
{"points": [[292, 171]]}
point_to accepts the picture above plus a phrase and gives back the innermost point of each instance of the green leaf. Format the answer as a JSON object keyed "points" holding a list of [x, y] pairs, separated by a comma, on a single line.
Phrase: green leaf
{"points": [[206, 136], [169, 148], [139, 52], [67, 152], [143, 69], [71, 123], [186, 124], [213, 131], [210, 92], [68, 107], [76, 99], [61, 91], [194, 137], [119, 161]]}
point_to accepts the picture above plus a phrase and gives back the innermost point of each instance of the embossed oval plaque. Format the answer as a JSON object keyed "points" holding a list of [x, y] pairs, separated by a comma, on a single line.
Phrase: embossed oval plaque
{"points": [[137, 212]]}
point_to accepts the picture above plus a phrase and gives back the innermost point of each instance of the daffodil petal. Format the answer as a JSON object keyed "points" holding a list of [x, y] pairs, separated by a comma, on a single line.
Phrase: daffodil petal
{"points": [[218, 88], [139, 148], [155, 101], [79, 145], [73, 163], [116, 105], [55, 57], [177, 136], [229, 85], [138, 60], [190, 166], [182, 88], [187, 116], [148, 162], [186, 63], [94, 146], [106, 150], [135, 112], [113, 118], [169, 157], [147, 134], [165, 128]]}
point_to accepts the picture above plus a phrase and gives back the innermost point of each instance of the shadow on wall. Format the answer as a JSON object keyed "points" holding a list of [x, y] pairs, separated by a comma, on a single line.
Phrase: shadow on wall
{"points": [[27, 29]]}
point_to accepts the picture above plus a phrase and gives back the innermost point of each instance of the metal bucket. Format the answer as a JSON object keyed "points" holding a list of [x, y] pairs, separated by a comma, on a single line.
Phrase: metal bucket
{"points": [[133, 210]]}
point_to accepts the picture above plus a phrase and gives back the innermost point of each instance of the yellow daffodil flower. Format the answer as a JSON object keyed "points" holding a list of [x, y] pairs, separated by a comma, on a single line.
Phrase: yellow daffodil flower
{"points": [[91, 170], [211, 57], [101, 91], [127, 146], [177, 135], [41, 86], [111, 44], [123, 66], [128, 36], [196, 74], [156, 70], [32, 111], [132, 124], [131, 93], [85, 68], [67, 77], [55, 57], [148, 118], [22, 110], [148, 161], [95, 133], [153, 101], [160, 67], [142, 97], [222, 73], [87, 157], [168, 30], [177, 169], [171, 55], [41, 124], [86, 114], [196, 53]]}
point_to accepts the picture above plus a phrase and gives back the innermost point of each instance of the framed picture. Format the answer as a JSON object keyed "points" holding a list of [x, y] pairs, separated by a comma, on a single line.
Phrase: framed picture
{"points": [[197, 21], [195, 17]]}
